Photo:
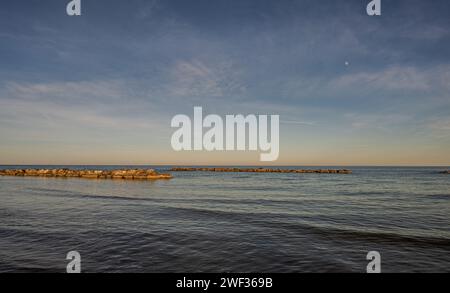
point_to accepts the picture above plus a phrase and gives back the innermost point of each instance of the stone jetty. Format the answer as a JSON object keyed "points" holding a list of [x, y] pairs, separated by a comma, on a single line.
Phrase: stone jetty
{"points": [[135, 174], [262, 170]]}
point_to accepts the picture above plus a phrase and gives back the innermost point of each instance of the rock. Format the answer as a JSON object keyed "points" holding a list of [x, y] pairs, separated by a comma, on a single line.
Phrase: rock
{"points": [[260, 170], [445, 172], [138, 174], [160, 176]]}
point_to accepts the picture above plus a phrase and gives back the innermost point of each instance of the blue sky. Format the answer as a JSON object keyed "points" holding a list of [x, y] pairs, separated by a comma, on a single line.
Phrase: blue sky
{"points": [[102, 88]]}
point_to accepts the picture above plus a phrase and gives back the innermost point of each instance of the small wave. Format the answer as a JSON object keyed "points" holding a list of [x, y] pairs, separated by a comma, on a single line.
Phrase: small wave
{"points": [[279, 222], [17, 269], [438, 196]]}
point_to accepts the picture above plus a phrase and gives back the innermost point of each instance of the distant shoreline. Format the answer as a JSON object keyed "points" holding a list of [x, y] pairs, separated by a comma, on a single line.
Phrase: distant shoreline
{"points": [[262, 170]]}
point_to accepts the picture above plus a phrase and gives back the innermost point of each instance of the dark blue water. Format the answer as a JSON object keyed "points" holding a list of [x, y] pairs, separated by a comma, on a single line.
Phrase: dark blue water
{"points": [[229, 222]]}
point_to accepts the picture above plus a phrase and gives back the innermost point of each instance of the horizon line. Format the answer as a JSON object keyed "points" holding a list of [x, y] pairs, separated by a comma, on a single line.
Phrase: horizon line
{"points": [[235, 165]]}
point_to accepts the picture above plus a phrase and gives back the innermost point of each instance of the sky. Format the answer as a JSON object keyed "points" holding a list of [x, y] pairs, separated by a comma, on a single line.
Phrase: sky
{"points": [[102, 88]]}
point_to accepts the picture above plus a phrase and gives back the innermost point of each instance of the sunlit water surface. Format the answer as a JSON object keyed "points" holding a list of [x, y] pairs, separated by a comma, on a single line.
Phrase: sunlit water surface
{"points": [[229, 222]]}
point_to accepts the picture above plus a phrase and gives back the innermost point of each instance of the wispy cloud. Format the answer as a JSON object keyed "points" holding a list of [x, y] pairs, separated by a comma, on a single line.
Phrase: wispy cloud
{"points": [[305, 123], [130, 70], [385, 121], [84, 104], [393, 78], [440, 127], [194, 78]]}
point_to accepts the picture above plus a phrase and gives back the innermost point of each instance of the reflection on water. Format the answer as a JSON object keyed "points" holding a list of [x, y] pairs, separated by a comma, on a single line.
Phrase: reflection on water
{"points": [[222, 222]]}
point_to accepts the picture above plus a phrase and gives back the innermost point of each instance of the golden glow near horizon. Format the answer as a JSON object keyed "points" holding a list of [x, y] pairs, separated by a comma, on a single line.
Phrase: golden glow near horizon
{"points": [[306, 157]]}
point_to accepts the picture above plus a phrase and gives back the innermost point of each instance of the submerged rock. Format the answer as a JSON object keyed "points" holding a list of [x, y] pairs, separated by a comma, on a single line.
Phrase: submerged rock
{"points": [[133, 174]]}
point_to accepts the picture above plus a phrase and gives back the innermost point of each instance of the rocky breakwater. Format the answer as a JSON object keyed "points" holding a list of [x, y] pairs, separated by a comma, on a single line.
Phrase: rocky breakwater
{"points": [[135, 174], [263, 170]]}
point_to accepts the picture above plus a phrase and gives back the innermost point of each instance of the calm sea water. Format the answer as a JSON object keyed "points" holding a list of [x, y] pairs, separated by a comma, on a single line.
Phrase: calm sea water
{"points": [[229, 222]]}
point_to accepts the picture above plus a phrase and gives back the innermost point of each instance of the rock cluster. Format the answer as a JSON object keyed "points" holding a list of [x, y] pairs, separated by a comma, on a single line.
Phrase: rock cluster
{"points": [[135, 174], [262, 170], [445, 172]]}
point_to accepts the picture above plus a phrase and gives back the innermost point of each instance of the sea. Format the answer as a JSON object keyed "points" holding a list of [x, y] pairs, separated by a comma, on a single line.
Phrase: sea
{"points": [[228, 222]]}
